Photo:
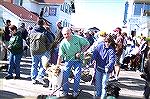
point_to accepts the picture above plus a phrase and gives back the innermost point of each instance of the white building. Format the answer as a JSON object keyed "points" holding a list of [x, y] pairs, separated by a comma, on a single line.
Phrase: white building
{"points": [[16, 14], [54, 11], [138, 16]]}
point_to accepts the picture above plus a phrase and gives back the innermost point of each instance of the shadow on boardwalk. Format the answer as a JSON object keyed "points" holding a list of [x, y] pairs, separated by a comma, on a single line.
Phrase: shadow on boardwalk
{"points": [[5, 94], [128, 83], [132, 83]]}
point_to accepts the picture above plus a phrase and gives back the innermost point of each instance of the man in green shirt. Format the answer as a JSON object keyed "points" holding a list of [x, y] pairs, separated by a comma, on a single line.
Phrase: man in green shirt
{"points": [[71, 51]]}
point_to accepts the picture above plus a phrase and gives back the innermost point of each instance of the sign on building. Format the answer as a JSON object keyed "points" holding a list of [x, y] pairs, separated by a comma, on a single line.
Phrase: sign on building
{"points": [[134, 20]]}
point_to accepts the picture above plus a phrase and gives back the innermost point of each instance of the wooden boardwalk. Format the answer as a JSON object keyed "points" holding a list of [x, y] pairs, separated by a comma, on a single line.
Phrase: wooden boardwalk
{"points": [[131, 85]]}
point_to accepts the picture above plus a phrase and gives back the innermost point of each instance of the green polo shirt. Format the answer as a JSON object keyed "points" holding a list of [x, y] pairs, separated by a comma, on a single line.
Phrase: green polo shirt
{"points": [[68, 49]]}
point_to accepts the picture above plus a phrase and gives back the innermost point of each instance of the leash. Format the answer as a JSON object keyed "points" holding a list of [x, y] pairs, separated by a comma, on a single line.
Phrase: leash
{"points": [[52, 94]]}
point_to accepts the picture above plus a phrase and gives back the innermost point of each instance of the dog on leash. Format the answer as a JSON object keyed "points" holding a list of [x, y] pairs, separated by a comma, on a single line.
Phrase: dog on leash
{"points": [[112, 91], [55, 77]]}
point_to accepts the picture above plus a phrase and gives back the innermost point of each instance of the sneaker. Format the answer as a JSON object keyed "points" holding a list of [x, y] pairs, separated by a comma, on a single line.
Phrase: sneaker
{"points": [[33, 81], [64, 94], [116, 78], [8, 77], [40, 80], [112, 77], [75, 94], [17, 77]]}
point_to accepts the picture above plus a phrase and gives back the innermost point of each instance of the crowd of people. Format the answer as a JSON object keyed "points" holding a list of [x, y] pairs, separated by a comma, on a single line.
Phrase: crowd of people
{"points": [[110, 52]]}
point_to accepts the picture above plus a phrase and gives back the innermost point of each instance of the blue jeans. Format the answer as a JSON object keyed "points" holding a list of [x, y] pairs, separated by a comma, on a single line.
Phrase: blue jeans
{"points": [[100, 83], [47, 54], [37, 70], [14, 64], [142, 62], [54, 56], [77, 75]]}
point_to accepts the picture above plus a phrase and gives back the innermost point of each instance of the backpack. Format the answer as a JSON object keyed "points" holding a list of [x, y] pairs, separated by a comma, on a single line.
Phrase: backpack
{"points": [[38, 42], [23, 33], [50, 36]]}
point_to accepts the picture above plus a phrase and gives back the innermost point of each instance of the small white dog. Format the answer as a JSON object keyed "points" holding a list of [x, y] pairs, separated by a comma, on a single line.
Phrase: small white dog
{"points": [[55, 77]]}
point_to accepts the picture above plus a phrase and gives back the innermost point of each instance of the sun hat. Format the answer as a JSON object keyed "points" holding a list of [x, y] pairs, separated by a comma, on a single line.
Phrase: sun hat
{"points": [[102, 33]]}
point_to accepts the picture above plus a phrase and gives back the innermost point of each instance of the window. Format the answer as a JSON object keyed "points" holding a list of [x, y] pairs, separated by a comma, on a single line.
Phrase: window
{"points": [[62, 8], [49, 11], [18, 2], [21, 1], [141, 8], [147, 7], [66, 8], [72, 7], [137, 9], [65, 23], [52, 11]]}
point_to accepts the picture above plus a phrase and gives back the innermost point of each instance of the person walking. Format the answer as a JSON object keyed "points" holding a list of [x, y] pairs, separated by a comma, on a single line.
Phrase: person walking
{"points": [[146, 76], [71, 50], [59, 27], [102, 35], [24, 33], [119, 50], [39, 44], [104, 57], [55, 48], [143, 51], [16, 50], [89, 37], [5, 38], [55, 45]]}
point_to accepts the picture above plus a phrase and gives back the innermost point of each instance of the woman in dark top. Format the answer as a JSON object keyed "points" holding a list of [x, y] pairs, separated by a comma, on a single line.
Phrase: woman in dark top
{"points": [[16, 50]]}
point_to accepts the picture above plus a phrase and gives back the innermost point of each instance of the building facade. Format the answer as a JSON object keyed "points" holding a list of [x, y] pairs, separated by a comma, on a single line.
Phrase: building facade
{"points": [[16, 14], [137, 16], [54, 10]]}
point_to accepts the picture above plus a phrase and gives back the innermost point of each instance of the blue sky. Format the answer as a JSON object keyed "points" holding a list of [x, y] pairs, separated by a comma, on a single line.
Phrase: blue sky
{"points": [[104, 14]]}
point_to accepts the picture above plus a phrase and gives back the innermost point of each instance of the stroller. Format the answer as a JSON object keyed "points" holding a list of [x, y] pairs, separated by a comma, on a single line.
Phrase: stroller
{"points": [[132, 58]]}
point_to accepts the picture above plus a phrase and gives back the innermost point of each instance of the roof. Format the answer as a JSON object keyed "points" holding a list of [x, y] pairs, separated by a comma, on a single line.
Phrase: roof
{"points": [[48, 1], [20, 11]]}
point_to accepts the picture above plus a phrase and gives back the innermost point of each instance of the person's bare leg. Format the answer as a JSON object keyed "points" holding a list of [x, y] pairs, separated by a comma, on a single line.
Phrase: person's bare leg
{"points": [[113, 73], [117, 70]]}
